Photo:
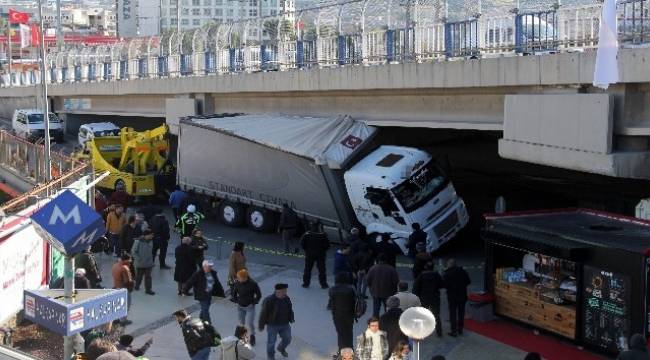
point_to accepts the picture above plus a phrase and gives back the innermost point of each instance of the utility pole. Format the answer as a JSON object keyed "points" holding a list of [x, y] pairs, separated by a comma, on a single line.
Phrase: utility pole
{"points": [[46, 107], [178, 26], [59, 27]]}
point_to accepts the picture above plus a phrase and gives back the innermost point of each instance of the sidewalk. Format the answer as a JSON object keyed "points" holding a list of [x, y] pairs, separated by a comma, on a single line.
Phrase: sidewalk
{"points": [[313, 333]]}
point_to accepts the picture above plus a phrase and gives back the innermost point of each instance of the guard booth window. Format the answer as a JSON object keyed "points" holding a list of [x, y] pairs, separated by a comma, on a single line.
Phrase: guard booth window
{"points": [[381, 198]]}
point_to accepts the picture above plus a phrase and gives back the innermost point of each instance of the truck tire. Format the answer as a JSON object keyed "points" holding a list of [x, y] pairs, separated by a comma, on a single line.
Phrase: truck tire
{"points": [[260, 219], [232, 213]]}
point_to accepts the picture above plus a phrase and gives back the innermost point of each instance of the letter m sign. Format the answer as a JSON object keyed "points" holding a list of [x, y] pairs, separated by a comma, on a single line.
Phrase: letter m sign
{"points": [[68, 223]]}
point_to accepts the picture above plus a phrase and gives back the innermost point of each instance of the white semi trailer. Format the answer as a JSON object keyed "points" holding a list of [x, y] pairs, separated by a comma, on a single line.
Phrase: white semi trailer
{"points": [[326, 169]]}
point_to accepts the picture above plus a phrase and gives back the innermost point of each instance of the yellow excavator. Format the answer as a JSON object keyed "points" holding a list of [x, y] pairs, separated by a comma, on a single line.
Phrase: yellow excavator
{"points": [[138, 161]]}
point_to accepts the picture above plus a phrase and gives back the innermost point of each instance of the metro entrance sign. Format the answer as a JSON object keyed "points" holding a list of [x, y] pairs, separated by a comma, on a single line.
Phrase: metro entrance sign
{"points": [[68, 223]]}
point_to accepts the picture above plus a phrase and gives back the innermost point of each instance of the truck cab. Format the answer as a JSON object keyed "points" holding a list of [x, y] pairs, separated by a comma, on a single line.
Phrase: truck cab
{"points": [[394, 187]]}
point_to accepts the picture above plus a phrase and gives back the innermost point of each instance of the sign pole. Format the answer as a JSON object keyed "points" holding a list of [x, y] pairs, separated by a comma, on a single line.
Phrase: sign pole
{"points": [[46, 107], [68, 290]]}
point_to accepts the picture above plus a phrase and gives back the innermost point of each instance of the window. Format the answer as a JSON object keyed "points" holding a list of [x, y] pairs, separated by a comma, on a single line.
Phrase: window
{"points": [[218, 2], [185, 22], [207, 12], [196, 12], [207, 2], [274, 12], [185, 2], [252, 12], [231, 12], [163, 22], [185, 11], [174, 22], [381, 198], [252, 2], [421, 187], [196, 22], [196, 2], [218, 12]]}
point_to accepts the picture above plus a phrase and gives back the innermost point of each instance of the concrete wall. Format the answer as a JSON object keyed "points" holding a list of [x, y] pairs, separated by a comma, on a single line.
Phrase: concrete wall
{"points": [[9, 104]]}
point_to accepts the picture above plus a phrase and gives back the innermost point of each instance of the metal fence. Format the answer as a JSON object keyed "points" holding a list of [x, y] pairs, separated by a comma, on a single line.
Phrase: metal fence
{"points": [[349, 32]]}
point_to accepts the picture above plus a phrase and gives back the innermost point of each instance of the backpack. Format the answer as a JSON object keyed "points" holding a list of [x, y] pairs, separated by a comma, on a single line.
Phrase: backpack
{"points": [[360, 307], [200, 334], [213, 333]]}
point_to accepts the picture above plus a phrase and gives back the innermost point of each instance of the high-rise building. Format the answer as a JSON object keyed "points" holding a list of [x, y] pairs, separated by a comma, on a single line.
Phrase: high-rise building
{"points": [[197, 13]]}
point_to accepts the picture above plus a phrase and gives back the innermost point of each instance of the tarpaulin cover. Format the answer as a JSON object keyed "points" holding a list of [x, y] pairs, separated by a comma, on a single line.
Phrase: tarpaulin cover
{"points": [[328, 141]]}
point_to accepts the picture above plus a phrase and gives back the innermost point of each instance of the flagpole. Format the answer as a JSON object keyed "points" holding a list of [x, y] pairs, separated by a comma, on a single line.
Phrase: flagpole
{"points": [[11, 82], [46, 110]]}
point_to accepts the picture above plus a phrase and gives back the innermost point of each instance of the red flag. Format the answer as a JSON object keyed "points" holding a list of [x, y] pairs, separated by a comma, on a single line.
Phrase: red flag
{"points": [[18, 17], [36, 35]]}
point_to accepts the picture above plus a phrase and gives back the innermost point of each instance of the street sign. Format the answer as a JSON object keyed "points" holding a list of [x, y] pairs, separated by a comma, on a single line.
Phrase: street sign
{"points": [[87, 310], [68, 223]]}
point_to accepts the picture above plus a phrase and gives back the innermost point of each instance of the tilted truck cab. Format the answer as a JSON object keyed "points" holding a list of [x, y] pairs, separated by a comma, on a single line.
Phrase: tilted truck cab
{"points": [[394, 187]]}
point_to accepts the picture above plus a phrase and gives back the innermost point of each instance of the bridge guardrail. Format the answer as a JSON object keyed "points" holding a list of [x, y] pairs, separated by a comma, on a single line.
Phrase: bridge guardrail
{"points": [[350, 32]]}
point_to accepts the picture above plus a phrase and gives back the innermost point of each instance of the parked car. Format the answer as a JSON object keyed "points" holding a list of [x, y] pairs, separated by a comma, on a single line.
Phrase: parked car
{"points": [[93, 130], [29, 124]]}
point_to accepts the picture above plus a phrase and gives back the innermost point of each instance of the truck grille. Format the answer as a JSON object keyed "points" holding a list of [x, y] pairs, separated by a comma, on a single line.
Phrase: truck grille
{"points": [[446, 225]]}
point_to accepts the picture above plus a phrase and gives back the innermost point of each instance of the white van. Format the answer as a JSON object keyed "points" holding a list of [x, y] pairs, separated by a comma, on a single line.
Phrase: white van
{"points": [[29, 124], [90, 131]]}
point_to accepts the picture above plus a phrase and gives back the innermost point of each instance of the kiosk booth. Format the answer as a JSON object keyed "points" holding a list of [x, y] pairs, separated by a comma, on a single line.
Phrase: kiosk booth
{"points": [[580, 274]]}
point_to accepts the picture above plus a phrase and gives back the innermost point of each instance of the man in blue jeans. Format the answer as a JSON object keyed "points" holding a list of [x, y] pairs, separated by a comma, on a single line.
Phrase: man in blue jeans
{"points": [[206, 285], [277, 314]]}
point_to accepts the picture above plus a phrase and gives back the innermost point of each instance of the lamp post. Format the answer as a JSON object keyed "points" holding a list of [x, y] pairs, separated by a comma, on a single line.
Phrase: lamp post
{"points": [[417, 323]]}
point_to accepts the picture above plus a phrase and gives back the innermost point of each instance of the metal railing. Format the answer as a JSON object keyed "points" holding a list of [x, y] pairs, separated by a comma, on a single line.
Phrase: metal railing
{"points": [[345, 33]]}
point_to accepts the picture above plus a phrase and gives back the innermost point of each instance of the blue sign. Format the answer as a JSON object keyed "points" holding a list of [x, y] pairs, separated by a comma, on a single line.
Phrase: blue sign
{"points": [[68, 223], [89, 309]]}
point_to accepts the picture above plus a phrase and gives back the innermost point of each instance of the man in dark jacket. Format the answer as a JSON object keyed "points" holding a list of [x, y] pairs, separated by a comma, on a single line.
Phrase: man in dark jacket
{"points": [[342, 302], [247, 294], [389, 322], [288, 227], [315, 243], [389, 249], [130, 232], [363, 258], [206, 285], [417, 237], [185, 264], [197, 340], [160, 227], [277, 314], [86, 260], [637, 349], [427, 287], [422, 257], [456, 280], [382, 280]]}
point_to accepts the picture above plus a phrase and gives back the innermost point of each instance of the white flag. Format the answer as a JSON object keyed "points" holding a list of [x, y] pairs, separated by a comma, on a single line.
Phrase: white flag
{"points": [[606, 71], [25, 36]]}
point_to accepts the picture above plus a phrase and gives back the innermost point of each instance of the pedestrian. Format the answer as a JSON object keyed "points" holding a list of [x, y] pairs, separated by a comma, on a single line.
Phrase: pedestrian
{"points": [[160, 228], [86, 260], [372, 344], [456, 281], [104, 331], [347, 354], [382, 280], [206, 285], [185, 264], [402, 351], [80, 279], [199, 246], [236, 262], [120, 196], [125, 344], [277, 315], [99, 347], [421, 258], [176, 200], [123, 279], [247, 295], [288, 226], [389, 322], [342, 300], [342, 261], [197, 339], [315, 244], [236, 347], [129, 233], [114, 223], [417, 237], [362, 261], [142, 252], [389, 249], [101, 204], [406, 299], [427, 287], [189, 221], [637, 349]]}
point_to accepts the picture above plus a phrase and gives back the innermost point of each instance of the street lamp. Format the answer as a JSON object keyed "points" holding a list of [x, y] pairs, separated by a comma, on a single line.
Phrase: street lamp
{"points": [[417, 323]]}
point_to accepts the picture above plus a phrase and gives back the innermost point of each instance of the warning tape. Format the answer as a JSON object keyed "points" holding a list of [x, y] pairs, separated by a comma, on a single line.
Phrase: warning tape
{"points": [[301, 256]]}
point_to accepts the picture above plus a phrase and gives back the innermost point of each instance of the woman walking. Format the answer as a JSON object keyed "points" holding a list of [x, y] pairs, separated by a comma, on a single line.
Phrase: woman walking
{"points": [[185, 263], [236, 262]]}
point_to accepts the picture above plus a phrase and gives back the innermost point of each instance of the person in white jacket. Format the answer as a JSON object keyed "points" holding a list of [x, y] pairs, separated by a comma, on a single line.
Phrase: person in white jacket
{"points": [[236, 347]]}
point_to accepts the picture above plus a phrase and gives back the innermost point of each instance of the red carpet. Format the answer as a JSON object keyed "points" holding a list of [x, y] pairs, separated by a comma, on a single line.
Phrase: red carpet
{"points": [[522, 338]]}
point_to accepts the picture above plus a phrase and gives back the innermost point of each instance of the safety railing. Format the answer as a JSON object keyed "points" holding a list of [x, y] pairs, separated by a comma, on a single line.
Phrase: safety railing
{"points": [[348, 33]]}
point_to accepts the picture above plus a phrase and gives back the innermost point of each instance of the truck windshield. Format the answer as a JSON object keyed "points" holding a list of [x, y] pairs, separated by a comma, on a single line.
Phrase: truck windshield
{"points": [[38, 118], [421, 187]]}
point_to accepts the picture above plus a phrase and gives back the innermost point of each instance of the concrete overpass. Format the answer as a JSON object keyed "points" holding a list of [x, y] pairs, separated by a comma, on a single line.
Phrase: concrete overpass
{"points": [[606, 134]]}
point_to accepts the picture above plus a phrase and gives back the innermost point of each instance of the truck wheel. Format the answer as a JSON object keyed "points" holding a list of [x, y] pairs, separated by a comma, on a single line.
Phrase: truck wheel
{"points": [[232, 213], [259, 219]]}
